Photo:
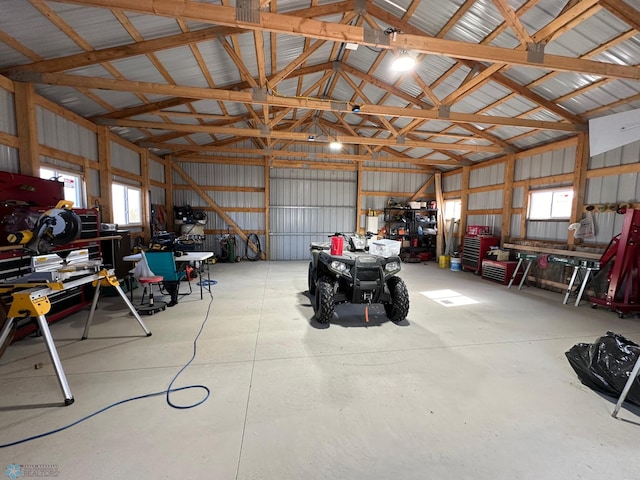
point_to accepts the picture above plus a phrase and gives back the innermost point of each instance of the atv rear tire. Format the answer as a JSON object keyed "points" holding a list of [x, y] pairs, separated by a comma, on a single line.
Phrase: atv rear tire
{"points": [[324, 300], [398, 309], [311, 280]]}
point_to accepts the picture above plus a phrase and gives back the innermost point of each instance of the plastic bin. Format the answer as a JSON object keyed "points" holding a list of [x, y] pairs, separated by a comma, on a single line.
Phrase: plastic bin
{"points": [[385, 248]]}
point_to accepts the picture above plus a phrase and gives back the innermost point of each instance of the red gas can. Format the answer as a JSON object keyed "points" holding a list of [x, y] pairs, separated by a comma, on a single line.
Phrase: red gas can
{"points": [[337, 243]]}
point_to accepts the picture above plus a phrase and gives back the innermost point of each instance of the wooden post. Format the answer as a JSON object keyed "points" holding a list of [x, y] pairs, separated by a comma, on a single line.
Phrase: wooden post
{"points": [[359, 228], [104, 163], [525, 210], [146, 189], [509, 171], [579, 183], [267, 211], [168, 197], [441, 223], [27, 127], [464, 197]]}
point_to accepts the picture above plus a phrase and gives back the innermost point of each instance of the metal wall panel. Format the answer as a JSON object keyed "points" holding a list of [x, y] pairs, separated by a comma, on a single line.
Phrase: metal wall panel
{"points": [[58, 132], [230, 176], [607, 225], [493, 221], [613, 189], [93, 180], [549, 231], [48, 161], [484, 200], [516, 218], [7, 112], [125, 159], [156, 171], [452, 183], [555, 162], [306, 206], [517, 200], [9, 159], [618, 156], [158, 195], [221, 175], [491, 175]]}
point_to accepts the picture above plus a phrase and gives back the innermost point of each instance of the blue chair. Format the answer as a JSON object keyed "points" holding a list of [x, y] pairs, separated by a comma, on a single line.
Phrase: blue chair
{"points": [[164, 264]]}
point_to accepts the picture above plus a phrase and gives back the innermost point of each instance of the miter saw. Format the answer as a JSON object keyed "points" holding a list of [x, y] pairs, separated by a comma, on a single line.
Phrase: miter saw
{"points": [[56, 226]]}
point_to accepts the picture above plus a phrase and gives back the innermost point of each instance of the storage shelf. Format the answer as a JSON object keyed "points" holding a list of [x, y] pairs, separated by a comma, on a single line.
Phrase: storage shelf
{"points": [[405, 218]]}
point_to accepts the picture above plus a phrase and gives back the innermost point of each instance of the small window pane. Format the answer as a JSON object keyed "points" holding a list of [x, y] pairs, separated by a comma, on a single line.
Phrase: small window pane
{"points": [[550, 204], [561, 205], [135, 206], [118, 201]]}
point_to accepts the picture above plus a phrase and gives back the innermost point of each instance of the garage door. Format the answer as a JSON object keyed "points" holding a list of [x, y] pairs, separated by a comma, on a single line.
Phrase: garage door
{"points": [[306, 206]]}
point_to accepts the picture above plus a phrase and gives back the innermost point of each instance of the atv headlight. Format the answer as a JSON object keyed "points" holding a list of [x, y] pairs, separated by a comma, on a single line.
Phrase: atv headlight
{"points": [[392, 267], [340, 268]]}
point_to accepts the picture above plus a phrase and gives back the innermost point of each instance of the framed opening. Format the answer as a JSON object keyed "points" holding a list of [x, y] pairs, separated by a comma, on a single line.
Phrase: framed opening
{"points": [[550, 204]]}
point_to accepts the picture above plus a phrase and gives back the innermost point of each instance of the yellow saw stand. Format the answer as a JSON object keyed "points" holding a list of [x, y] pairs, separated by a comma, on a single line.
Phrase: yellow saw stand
{"points": [[33, 301]]}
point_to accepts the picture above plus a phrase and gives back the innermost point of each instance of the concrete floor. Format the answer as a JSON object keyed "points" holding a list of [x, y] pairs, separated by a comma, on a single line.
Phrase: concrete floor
{"points": [[476, 391]]}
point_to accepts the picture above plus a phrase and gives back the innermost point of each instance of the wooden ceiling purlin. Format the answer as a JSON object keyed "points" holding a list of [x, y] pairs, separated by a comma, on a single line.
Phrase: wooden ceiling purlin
{"points": [[308, 27]]}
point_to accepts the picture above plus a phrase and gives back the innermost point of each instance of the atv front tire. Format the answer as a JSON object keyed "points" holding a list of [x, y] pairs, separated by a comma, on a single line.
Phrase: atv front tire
{"points": [[398, 309], [311, 279], [324, 300]]}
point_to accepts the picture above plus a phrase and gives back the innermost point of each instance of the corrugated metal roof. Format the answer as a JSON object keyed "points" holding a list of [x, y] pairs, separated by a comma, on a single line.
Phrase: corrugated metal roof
{"points": [[35, 37]]}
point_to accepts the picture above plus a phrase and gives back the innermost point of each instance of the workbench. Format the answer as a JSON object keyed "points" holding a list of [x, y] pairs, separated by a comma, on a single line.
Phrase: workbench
{"points": [[583, 263]]}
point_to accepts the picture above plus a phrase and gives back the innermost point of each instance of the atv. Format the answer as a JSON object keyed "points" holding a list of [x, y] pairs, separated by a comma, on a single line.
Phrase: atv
{"points": [[355, 276]]}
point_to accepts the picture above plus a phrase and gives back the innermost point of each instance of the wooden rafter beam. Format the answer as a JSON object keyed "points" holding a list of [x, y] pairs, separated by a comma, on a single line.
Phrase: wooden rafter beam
{"points": [[304, 103], [177, 101], [623, 11], [308, 27], [278, 134], [195, 151], [513, 21], [84, 59]]}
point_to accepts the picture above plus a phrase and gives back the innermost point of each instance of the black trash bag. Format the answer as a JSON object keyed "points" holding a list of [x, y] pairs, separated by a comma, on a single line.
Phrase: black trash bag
{"points": [[605, 366]]}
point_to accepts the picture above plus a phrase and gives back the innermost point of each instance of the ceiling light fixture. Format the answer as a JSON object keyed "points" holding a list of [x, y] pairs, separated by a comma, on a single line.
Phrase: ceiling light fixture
{"points": [[355, 109], [335, 145], [403, 62]]}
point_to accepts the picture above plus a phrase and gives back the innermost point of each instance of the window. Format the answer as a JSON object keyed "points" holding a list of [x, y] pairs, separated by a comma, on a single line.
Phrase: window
{"points": [[550, 204], [452, 209], [73, 185], [127, 204]]}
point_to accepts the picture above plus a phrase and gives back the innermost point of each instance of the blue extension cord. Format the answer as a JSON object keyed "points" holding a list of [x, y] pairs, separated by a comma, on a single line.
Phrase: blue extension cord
{"points": [[166, 392]]}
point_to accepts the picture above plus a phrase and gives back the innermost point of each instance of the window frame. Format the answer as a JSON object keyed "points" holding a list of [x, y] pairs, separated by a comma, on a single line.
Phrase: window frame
{"points": [[550, 217], [80, 189], [114, 207]]}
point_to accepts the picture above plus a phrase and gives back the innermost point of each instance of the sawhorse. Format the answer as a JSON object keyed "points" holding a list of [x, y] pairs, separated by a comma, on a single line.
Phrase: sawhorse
{"points": [[581, 273], [522, 258], [34, 302]]}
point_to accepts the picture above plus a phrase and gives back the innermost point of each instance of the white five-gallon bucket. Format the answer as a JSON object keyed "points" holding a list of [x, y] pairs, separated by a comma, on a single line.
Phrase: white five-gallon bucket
{"points": [[456, 264]]}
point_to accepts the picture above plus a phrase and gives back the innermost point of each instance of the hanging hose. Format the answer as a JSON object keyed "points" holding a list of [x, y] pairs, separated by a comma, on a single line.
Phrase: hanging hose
{"points": [[253, 254]]}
